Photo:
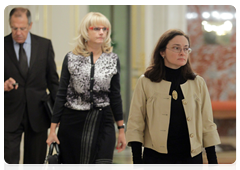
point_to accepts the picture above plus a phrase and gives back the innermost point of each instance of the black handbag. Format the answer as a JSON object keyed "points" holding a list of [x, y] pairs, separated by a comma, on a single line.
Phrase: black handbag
{"points": [[53, 159], [48, 104]]}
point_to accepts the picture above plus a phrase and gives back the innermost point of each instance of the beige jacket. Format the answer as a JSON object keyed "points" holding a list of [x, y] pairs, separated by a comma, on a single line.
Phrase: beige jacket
{"points": [[150, 114]]}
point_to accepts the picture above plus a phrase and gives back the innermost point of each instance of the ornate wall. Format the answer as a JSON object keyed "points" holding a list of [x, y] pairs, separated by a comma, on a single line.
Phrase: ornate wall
{"points": [[214, 39], [214, 48]]}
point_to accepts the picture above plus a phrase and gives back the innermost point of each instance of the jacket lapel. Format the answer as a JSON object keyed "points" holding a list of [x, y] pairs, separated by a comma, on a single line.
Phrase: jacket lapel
{"points": [[186, 88], [34, 51]]}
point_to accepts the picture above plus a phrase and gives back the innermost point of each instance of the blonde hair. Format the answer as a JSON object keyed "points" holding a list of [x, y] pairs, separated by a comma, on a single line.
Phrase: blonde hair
{"points": [[92, 19]]}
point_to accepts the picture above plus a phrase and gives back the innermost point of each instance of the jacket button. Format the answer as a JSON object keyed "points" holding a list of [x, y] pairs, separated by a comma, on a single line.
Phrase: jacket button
{"points": [[189, 119], [191, 135], [192, 150], [184, 102]]}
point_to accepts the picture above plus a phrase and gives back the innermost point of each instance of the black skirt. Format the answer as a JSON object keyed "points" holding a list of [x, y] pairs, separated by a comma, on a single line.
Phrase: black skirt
{"points": [[87, 137], [153, 157]]}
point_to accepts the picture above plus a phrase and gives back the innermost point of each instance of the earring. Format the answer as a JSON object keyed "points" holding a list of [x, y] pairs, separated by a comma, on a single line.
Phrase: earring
{"points": [[163, 57]]}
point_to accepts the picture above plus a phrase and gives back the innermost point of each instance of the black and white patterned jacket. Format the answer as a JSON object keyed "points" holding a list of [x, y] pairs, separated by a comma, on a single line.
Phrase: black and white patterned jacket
{"points": [[74, 88]]}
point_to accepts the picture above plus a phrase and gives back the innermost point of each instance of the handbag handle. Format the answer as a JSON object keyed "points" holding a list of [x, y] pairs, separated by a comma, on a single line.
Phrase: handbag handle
{"points": [[54, 144]]}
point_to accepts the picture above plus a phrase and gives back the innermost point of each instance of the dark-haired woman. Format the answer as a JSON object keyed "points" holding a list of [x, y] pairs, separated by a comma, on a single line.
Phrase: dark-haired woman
{"points": [[170, 113]]}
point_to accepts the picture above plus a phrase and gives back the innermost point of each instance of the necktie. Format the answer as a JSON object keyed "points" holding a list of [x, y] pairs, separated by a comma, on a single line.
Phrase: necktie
{"points": [[23, 64]]}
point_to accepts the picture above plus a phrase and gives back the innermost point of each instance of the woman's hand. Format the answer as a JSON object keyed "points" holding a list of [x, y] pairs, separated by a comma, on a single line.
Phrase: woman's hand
{"points": [[214, 168], [52, 137], [121, 145]]}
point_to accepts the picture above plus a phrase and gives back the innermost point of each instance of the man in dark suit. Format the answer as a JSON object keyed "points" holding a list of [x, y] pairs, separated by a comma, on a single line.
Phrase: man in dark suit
{"points": [[29, 70]]}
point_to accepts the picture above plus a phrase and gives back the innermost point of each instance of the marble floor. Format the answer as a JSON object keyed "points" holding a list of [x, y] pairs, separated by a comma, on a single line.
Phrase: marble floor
{"points": [[225, 155]]}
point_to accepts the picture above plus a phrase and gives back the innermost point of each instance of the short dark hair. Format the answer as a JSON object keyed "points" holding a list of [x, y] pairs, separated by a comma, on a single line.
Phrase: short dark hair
{"points": [[18, 13], [156, 71]]}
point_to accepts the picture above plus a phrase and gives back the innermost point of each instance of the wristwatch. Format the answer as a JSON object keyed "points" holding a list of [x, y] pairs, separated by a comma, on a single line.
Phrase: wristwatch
{"points": [[120, 127]]}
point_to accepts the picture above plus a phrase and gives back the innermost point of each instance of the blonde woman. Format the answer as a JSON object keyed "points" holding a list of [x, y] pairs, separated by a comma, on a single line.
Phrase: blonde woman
{"points": [[89, 92]]}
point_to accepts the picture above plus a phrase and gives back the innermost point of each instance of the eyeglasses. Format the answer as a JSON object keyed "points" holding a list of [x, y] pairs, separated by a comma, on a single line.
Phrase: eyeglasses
{"points": [[179, 49], [97, 29], [21, 28]]}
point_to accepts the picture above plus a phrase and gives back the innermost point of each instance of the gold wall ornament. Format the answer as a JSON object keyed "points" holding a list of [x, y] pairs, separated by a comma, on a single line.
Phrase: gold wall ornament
{"points": [[174, 95]]}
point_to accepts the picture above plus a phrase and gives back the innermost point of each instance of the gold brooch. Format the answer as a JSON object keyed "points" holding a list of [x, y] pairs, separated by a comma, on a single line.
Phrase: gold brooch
{"points": [[174, 95]]}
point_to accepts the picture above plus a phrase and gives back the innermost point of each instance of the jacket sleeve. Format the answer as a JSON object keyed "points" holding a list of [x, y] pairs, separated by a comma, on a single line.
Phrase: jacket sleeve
{"points": [[62, 92], [210, 133], [136, 119], [115, 95], [52, 75]]}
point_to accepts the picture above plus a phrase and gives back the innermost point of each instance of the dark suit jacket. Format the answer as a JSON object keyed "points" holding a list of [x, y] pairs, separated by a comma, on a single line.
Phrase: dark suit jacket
{"points": [[31, 92]]}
